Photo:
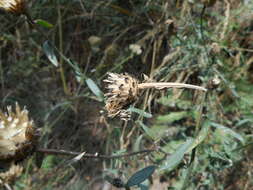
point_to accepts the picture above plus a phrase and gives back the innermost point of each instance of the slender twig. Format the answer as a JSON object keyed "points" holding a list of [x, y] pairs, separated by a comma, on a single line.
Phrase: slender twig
{"points": [[86, 155]]}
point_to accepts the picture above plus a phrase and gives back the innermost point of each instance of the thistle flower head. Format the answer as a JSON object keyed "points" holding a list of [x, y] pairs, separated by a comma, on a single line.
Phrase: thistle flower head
{"points": [[123, 90], [11, 175], [17, 134], [14, 6]]}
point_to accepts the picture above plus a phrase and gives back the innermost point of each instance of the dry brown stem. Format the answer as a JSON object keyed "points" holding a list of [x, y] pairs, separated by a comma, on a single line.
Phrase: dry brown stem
{"points": [[163, 85], [86, 155]]}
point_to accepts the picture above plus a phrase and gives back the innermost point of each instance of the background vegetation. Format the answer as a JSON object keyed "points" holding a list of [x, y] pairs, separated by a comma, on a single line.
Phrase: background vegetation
{"points": [[203, 141]]}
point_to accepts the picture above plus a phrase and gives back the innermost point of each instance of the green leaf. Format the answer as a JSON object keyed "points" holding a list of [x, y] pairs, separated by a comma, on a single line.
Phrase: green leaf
{"points": [[49, 162], [117, 182], [137, 143], [94, 88], [145, 128], [201, 136], [173, 102], [244, 121], [44, 23], [176, 158], [49, 51], [143, 187], [140, 112], [228, 131], [140, 176], [171, 117]]}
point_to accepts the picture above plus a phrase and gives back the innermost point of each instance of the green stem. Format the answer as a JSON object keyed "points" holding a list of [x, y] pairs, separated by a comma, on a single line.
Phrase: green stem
{"points": [[194, 151], [63, 78], [32, 23]]}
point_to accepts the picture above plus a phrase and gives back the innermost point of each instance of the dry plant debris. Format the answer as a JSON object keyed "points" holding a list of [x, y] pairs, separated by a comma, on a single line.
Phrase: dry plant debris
{"points": [[125, 89], [17, 134], [14, 6]]}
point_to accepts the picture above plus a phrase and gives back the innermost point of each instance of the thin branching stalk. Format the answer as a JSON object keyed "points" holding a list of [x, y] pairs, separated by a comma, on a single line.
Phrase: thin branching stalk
{"points": [[95, 156], [63, 78]]}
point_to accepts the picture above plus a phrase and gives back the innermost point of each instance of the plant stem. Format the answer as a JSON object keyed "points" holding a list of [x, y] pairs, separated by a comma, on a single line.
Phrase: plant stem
{"points": [[32, 23], [63, 78], [162, 85], [86, 155], [193, 153]]}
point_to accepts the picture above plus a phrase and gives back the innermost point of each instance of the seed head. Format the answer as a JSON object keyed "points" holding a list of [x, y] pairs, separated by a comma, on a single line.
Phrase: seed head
{"points": [[14, 6], [17, 134], [123, 90], [11, 175]]}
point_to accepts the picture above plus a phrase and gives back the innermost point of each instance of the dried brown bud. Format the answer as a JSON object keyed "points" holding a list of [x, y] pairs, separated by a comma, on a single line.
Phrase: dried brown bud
{"points": [[14, 6], [214, 83], [17, 134]]}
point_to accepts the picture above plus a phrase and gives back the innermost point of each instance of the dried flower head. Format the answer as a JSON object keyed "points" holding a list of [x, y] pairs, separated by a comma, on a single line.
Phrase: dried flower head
{"points": [[17, 134], [11, 175], [135, 48], [214, 83], [14, 6], [125, 89]]}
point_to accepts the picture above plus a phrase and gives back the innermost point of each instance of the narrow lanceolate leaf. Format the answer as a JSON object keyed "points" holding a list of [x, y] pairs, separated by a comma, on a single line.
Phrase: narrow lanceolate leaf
{"points": [[176, 158], [43, 23], [76, 158], [145, 128], [201, 136], [140, 176], [140, 112], [172, 117], [228, 131], [49, 51], [94, 88]]}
